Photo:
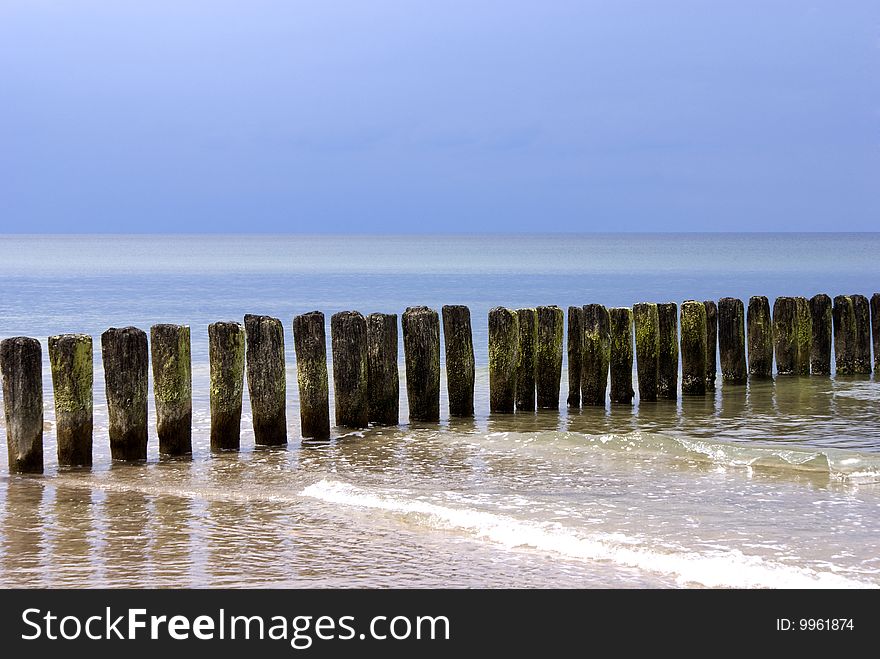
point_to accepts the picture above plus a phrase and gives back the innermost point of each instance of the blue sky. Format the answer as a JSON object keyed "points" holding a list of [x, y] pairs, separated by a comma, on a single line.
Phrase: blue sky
{"points": [[438, 116]]}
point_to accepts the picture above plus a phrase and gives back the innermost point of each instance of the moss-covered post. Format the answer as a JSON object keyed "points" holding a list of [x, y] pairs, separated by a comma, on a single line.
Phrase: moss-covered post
{"points": [[844, 335], [667, 360], [226, 356], [693, 348], [785, 339], [760, 329], [875, 329], [621, 363], [575, 355], [267, 379], [861, 309], [711, 343], [21, 365], [383, 378], [804, 333], [548, 360], [820, 340], [126, 367], [70, 357], [647, 325], [503, 359], [732, 340], [527, 320], [421, 349], [459, 343], [597, 354], [348, 339], [310, 347], [172, 387]]}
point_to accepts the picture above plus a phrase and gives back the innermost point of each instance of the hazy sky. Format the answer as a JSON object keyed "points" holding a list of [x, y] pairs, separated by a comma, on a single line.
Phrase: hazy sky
{"points": [[438, 115]]}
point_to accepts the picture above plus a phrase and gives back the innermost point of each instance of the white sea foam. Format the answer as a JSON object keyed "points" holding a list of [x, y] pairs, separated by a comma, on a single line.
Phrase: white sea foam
{"points": [[722, 568]]}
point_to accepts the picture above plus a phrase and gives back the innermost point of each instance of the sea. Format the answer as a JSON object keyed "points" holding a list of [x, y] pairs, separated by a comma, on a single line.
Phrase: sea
{"points": [[771, 485]]}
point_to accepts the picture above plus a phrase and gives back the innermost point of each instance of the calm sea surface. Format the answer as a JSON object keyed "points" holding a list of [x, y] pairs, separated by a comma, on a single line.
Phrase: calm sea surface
{"points": [[772, 485]]}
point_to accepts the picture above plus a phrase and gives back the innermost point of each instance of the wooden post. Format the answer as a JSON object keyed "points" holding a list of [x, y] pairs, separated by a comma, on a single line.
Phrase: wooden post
{"points": [[527, 320], [732, 340], [861, 309], [267, 379], [711, 343], [875, 329], [348, 338], [820, 341], [667, 361], [548, 361], [503, 358], [226, 356], [383, 378], [172, 387], [804, 334], [421, 349], [310, 347], [597, 354], [621, 363], [647, 325], [693, 348], [575, 355], [844, 317], [460, 370], [70, 356], [21, 365], [126, 364], [785, 342], [760, 329]]}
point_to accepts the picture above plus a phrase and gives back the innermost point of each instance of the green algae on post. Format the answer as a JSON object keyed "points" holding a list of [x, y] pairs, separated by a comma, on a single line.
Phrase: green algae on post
{"points": [[126, 367], [527, 320], [667, 358], [820, 340], [503, 358], [862, 357], [693, 348], [785, 339], [310, 348], [172, 387], [460, 370], [348, 339], [21, 365], [548, 358], [760, 329], [875, 329], [266, 379], [575, 356], [621, 362], [421, 349], [647, 326], [711, 343], [732, 340], [71, 361], [226, 341], [383, 378], [804, 335], [597, 354]]}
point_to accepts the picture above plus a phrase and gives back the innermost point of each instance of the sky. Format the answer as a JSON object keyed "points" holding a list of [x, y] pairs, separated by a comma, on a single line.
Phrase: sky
{"points": [[433, 116]]}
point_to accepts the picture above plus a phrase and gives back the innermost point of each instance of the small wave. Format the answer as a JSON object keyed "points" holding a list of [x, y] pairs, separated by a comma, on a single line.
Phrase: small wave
{"points": [[729, 568]]}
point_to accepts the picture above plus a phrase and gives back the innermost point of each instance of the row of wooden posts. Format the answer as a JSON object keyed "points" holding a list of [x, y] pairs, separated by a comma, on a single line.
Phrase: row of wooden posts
{"points": [[525, 367]]}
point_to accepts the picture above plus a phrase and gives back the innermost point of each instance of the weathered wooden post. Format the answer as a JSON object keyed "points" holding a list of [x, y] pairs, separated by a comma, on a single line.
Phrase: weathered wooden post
{"points": [[267, 379], [861, 309], [820, 341], [310, 347], [621, 364], [70, 357], [383, 377], [460, 371], [647, 325], [693, 348], [597, 354], [226, 356], [527, 320], [667, 360], [760, 328], [126, 364], [421, 349], [844, 317], [785, 341], [875, 329], [575, 355], [172, 387], [348, 338], [711, 343], [21, 365], [804, 335], [548, 361], [503, 358], [732, 340]]}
